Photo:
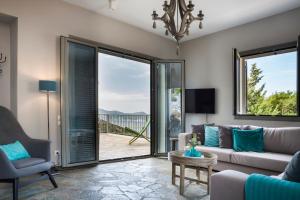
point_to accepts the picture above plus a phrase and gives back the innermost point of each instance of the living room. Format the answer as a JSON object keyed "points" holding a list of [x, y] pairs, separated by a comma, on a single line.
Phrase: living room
{"points": [[41, 42]]}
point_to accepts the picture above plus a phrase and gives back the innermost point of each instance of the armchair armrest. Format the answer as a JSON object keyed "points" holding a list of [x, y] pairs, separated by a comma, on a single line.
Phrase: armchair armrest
{"points": [[7, 169], [259, 187], [228, 185], [39, 149], [182, 140]]}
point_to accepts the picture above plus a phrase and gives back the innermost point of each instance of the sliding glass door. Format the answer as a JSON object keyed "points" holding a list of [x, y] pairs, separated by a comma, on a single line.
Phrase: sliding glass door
{"points": [[169, 103], [79, 103]]}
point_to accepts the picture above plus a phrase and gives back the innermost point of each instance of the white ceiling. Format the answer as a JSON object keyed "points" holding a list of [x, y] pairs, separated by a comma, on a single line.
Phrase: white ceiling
{"points": [[219, 14]]}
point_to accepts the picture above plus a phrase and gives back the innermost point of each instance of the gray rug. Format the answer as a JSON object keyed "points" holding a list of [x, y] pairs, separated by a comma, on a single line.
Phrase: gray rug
{"points": [[145, 179]]}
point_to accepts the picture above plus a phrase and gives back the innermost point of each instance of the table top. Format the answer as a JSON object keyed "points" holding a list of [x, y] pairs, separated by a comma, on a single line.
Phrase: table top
{"points": [[208, 159]]}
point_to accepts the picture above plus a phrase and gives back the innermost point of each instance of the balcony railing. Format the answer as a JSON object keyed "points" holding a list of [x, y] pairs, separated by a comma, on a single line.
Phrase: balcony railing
{"points": [[116, 123]]}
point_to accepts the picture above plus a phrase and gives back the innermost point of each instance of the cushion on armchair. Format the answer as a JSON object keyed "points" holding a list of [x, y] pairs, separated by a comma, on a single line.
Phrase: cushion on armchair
{"points": [[27, 162], [261, 187], [15, 151]]}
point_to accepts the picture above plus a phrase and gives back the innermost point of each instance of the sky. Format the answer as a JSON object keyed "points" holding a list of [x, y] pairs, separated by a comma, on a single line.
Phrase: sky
{"points": [[124, 84], [279, 72]]}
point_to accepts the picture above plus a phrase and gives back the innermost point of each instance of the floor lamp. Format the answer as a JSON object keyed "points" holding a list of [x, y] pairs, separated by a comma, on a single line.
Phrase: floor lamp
{"points": [[47, 87]]}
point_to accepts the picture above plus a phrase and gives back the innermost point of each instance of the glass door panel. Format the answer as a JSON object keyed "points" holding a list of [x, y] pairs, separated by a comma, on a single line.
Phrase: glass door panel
{"points": [[169, 103], [79, 104]]}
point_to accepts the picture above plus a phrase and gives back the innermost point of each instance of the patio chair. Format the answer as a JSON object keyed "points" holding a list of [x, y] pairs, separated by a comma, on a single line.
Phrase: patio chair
{"points": [[139, 134], [39, 150]]}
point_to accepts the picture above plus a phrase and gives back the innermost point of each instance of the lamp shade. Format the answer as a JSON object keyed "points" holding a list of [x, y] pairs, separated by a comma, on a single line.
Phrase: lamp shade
{"points": [[47, 86]]}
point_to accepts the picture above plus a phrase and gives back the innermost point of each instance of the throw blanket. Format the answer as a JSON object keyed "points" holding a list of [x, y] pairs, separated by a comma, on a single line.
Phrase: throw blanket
{"points": [[260, 187]]}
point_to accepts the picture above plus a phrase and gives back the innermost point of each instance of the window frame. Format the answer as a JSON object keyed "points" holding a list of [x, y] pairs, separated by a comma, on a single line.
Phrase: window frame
{"points": [[265, 50]]}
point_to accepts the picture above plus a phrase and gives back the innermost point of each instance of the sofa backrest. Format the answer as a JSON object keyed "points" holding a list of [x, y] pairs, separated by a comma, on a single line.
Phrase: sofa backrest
{"points": [[282, 140]]}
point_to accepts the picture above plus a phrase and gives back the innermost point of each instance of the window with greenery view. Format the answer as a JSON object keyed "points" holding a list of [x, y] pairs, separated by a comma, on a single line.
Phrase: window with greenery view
{"points": [[266, 83]]}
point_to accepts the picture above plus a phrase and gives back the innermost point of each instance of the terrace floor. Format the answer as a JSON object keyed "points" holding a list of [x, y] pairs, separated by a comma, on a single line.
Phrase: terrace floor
{"points": [[114, 146]]}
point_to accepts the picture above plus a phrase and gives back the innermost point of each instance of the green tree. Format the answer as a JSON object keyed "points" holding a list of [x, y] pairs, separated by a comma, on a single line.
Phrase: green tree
{"points": [[279, 103], [255, 94]]}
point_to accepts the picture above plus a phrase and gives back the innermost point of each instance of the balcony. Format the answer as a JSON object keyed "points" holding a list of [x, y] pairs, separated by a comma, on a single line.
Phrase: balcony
{"points": [[114, 139]]}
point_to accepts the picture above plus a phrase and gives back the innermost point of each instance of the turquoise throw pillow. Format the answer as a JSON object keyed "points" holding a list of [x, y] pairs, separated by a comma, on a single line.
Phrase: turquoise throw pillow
{"points": [[211, 136], [248, 140], [15, 151]]}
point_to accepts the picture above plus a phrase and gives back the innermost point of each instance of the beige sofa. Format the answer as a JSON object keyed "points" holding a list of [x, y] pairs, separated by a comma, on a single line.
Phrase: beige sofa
{"points": [[279, 145]]}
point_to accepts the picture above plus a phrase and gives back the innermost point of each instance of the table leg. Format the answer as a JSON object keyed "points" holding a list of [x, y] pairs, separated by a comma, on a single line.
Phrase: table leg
{"points": [[209, 179], [198, 175], [181, 185], [173, 173]]}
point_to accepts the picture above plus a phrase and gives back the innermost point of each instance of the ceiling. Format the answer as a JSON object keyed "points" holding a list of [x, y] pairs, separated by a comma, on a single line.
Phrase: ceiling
{"points": [[219, 14]]}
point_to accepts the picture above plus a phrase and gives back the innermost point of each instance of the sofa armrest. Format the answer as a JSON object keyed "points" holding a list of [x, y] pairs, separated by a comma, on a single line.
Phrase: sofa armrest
{"points": [[228, 185], [8, 171], [39, 149], [182, 140], [264, 187]]}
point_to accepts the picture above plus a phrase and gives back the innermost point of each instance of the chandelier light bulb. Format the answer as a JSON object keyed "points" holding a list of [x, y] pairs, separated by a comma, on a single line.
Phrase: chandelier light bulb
{"points": [[154, 25], [167, 33], [200, 25]]}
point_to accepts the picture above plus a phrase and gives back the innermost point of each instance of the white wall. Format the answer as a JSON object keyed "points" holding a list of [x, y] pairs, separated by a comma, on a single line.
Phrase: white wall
{"points": [[40, 23], [5, 75], [209, 62]]}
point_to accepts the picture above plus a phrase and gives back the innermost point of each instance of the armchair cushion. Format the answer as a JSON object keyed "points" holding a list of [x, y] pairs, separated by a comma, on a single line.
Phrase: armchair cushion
{"points": [[15, 151], [28, 162]]}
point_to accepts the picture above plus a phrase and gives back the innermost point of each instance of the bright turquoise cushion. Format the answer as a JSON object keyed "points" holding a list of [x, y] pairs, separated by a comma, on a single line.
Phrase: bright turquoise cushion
{"points": [[248, 140], [15, 151], [211, 136], [261, 187]]}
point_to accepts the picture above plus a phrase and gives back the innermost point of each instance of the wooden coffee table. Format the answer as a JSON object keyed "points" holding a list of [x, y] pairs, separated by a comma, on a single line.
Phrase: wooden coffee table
{"points": [[205, 164]]}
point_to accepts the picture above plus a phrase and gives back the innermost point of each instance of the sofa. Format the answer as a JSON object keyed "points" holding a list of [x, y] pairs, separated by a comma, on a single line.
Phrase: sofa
{"points": [[280, 144], [234, 185]]}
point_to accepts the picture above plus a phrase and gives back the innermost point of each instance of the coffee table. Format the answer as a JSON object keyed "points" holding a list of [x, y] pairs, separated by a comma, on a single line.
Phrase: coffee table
{"points": [[204, 163]]}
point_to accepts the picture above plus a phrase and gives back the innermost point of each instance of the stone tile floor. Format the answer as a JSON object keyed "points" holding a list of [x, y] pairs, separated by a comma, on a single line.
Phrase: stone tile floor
{"points": [[144, 179]]}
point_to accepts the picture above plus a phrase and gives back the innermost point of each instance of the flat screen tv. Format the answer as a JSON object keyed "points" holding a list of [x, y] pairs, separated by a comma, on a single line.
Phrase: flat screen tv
{"points": [[200, 101]]}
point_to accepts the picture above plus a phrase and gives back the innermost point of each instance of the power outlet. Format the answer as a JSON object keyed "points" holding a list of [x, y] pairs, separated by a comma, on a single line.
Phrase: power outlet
{"points": [[57, 156], [56, 152]]}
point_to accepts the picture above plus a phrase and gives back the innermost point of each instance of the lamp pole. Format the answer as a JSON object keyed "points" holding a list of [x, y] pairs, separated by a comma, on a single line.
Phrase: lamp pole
{"points": [[48, 115]]}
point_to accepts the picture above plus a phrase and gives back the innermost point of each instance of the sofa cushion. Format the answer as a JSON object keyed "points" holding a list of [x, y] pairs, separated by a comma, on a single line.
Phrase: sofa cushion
{"points": [[269, 161], [292, 171], [225, 136], [199, 130], [223, 154], [248, 140], [282, 140], [211, 136], [28, 162]]}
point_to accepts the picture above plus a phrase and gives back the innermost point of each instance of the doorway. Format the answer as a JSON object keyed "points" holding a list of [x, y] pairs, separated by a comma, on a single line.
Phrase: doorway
{"points": [[123, 106]]}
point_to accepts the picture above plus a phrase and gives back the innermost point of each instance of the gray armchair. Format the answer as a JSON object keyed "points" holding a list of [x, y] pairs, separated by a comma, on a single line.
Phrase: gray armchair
{"points": [[11, 171]]}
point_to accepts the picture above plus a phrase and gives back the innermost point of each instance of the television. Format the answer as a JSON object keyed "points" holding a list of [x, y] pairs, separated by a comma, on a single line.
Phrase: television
{"points": [[200, 101]]}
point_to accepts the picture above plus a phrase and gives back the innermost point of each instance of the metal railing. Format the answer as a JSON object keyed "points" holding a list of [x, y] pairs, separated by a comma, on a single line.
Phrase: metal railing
{"points": [[117, 123]]}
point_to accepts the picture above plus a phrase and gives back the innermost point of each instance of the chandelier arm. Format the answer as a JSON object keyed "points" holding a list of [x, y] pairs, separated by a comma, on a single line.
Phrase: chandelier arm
{"points": [[182, 7], [172, 8], [184, 24]]}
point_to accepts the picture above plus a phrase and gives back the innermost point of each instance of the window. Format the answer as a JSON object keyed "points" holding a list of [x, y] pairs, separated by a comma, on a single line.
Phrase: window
{"points": [[267, 82]]}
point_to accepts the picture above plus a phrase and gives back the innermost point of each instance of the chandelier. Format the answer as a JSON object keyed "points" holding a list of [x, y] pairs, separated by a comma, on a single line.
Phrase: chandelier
{"points": [[177, 18]]}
